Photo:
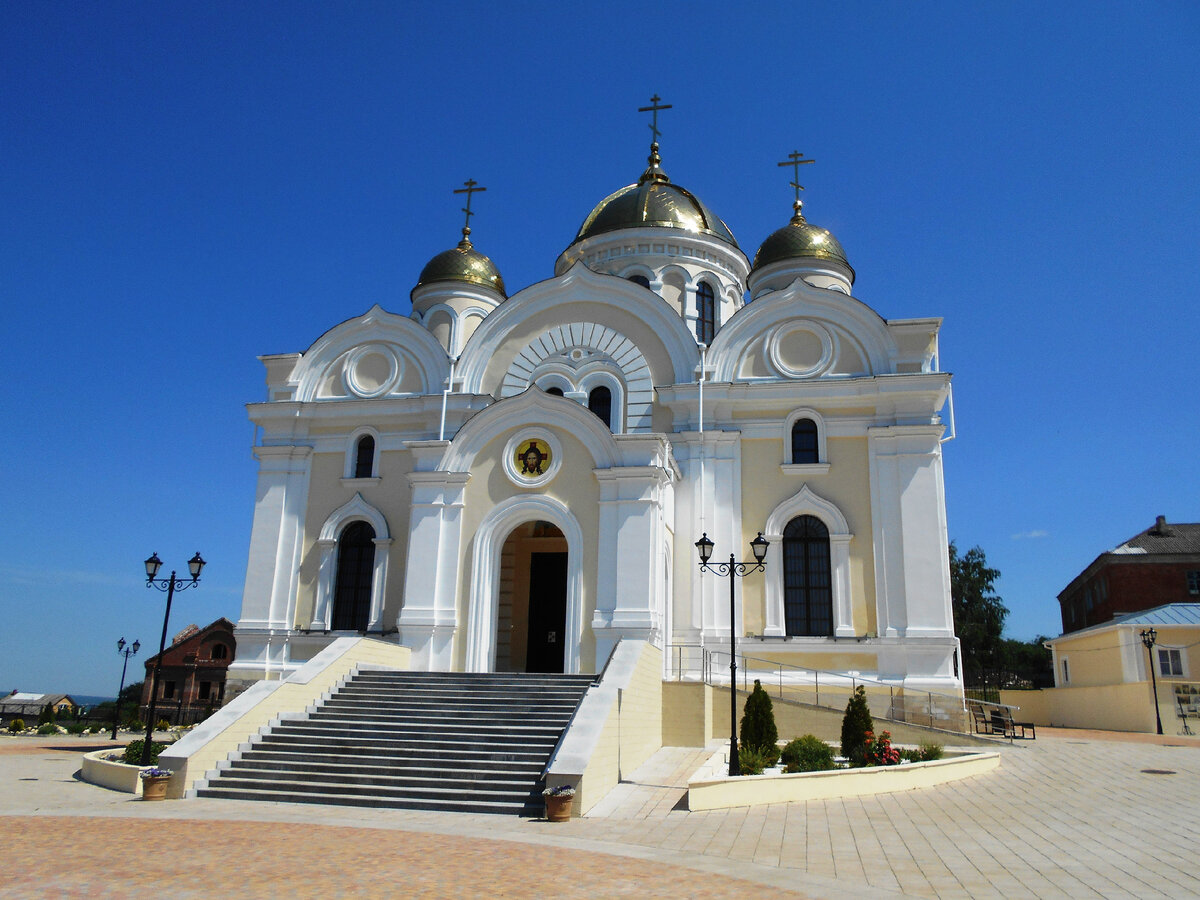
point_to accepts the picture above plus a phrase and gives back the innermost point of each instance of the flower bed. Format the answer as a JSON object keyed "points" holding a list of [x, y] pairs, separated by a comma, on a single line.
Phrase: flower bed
{"points": [[112, 773], [709, 789]]}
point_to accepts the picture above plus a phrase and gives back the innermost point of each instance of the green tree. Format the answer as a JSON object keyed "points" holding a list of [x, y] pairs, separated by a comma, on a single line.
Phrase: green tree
{"points": [[46, 716], [856, 723], [758, 731], [1026, 663], [979, 612]]}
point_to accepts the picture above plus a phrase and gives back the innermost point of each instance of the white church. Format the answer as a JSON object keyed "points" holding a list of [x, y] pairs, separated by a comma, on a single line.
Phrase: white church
{"points": [[515, 483]]}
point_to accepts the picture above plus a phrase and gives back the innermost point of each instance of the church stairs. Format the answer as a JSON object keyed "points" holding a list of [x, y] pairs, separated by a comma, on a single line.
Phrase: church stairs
{"points": [[413, 740]]}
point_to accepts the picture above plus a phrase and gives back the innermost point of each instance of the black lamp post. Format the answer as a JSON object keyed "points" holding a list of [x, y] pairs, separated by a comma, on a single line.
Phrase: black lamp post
{"points": [[126, 652], [170, 585], [730, 569], [1148, 638]]}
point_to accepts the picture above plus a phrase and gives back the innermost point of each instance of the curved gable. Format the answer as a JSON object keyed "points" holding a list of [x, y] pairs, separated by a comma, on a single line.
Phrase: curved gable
{"points": [[802, 332], [377, 354], [577, 297]]}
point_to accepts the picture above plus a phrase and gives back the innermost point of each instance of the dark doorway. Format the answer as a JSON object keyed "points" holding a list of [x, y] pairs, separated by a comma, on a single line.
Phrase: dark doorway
{"points": [[547, 612], [356, 565]]}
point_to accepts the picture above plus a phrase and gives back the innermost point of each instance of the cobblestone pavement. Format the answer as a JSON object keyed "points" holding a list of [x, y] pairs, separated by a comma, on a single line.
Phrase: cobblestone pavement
{"points": [[1073, 814]]}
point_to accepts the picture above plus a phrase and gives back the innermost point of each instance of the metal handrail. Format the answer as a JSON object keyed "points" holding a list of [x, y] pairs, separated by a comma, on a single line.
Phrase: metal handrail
{"points": [[934, 700]]}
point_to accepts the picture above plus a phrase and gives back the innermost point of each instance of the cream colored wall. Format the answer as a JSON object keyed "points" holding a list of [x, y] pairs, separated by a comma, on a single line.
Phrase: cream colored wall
{"points": [[1093, 658], [574, 486], [1112, 707], [846, 484], [631, 733], [687, 713], [198, 752], [328, 492]]}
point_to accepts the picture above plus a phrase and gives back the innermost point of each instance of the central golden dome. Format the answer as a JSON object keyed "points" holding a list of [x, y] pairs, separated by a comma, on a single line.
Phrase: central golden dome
{"points": [[463, 263], [653, 202]]}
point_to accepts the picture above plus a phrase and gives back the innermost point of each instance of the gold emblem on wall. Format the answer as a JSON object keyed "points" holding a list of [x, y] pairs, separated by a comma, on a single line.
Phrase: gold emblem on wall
{"points": [[532, 458]]}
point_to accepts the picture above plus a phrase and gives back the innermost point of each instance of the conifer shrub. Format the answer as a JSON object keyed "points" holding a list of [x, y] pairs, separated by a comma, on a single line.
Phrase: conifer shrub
{"points": [[758, 731], [752, 761], [46, 716], [77, 728], [856, 724], [16, 725], [133, 753], [807, 753]]}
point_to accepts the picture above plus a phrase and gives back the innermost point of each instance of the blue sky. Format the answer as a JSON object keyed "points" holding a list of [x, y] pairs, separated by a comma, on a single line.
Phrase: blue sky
{"points": [[187, 186]]}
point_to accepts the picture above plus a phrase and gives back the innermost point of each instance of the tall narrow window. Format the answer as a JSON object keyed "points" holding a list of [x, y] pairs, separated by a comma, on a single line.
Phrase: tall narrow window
{"points": [[804, 442], [807, 583], [600, 402], [706, 313], [364, 457], [355, 565]]}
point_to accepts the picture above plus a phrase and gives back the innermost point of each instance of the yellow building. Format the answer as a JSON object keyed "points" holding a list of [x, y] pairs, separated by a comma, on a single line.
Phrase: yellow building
{"points": [[1103, 680], [515, 483]]}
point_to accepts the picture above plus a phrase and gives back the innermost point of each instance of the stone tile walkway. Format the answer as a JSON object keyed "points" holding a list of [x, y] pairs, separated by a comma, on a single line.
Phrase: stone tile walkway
{"points": [[1073, 814]]}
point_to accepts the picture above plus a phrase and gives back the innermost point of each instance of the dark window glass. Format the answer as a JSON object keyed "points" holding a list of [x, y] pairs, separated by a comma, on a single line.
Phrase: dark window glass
{"points": [[804, 442], [364, 459], [640, 279], [168, 690], [706, 313], [219, 651], [807, 581], [355, 565], [557, 392], [600, 402], [205, 690]]}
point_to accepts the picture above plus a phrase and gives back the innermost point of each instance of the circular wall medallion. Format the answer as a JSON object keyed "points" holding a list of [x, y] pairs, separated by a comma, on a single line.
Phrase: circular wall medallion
{"points": [[371, 370], [800, 350], [532, 458]]}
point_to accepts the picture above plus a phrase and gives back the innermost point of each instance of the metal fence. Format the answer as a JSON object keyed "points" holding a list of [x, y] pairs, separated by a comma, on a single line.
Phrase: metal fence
{"points": [[828, 690]]}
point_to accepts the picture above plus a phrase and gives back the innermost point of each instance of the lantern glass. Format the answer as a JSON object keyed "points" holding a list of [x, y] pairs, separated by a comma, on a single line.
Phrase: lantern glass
{"points": [[705, 547], [759, 547], [195, 565], [153, 564]]}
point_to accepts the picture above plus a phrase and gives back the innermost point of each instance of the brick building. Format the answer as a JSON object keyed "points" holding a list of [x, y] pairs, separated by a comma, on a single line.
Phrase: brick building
{"points": [[1158, 566], [192, 680]]}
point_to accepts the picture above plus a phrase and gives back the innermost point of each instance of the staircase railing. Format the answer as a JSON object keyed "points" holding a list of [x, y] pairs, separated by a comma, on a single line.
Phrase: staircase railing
{"points": [[829, 690]]}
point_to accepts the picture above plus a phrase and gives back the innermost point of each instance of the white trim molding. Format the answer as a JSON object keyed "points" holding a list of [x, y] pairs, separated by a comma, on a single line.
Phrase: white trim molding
{"points": [[483, 605], [822, 463], [807, 502], [357, 510]]}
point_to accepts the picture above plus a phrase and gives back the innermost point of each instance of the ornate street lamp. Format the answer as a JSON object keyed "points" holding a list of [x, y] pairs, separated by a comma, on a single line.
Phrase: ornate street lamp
{"points": [[126, 652], [170, 585], [758, 547], [1148, 638]]}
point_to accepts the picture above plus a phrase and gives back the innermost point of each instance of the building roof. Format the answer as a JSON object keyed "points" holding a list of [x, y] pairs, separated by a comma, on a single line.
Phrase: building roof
{"points": [[1182, 614], [28, 698], [1163, 537]]}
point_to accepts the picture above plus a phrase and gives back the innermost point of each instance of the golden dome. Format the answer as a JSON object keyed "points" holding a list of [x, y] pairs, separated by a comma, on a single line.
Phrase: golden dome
{"points": [[463, 263], [653, 202], [799, 239]]}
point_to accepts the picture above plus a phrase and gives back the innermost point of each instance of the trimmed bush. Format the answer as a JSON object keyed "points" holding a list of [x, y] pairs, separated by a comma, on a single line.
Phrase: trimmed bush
{"points": [[807, 754], [856, 725], [133, 753], [930, 751], [16, 725], [77, 728], [163, 725], [758, 731], [47, 728]]}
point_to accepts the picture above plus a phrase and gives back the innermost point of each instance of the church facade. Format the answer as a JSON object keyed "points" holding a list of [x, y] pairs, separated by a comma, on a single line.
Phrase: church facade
{"points": [[516, 483]]}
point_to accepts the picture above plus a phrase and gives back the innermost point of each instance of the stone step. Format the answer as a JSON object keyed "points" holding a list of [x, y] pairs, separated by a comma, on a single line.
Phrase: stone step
{"points": [[450, 768], [561, 714], [285, 786], [448, 779], [448, 731], [441, 804], [391, 756]]}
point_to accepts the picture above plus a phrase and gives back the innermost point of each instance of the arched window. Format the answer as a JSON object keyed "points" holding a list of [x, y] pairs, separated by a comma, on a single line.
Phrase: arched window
{"points": [[219, 651], [556, 391], [364, 457], [804, 442], [355, 563], [600, 402], [807, 583], [706, 313], [640, 279]]}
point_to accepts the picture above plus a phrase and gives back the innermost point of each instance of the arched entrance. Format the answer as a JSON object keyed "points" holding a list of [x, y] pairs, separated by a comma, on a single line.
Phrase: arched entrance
{"points": [[531, 614]]}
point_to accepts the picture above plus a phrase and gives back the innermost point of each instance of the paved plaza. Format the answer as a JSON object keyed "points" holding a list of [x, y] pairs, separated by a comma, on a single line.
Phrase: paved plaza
{"points": [[1073, 814]]}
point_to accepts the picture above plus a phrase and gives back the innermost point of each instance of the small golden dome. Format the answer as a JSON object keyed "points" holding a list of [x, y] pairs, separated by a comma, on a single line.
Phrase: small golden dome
{"points": [[463, 263], [799, 239], [653, 202]]}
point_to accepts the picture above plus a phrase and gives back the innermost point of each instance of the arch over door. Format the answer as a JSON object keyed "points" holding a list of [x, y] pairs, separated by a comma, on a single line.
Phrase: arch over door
{"points": [[355, 566], [807, 578]]}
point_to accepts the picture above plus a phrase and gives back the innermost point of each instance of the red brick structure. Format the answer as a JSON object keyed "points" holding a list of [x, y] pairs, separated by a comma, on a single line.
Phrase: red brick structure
{"points": [[192, 680], [1157, 566]]}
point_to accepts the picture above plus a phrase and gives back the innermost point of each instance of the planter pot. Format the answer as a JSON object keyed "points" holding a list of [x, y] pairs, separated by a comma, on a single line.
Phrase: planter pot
{"points": [[155, 788], [558, 809]]}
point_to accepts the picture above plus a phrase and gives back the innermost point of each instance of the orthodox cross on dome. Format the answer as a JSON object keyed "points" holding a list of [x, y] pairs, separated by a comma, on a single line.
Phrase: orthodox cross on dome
{"points": [[469, 187], [795, 161], [653, 108]]}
